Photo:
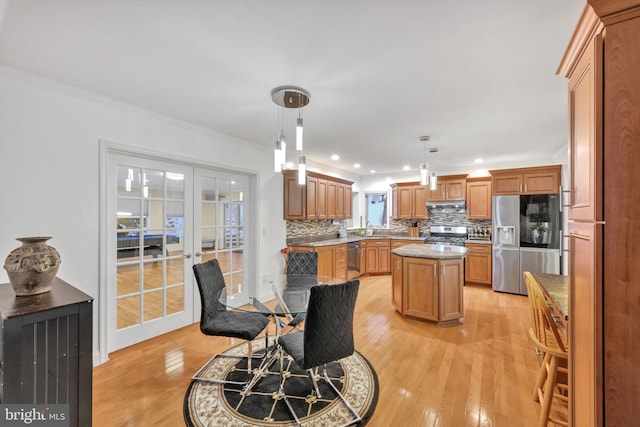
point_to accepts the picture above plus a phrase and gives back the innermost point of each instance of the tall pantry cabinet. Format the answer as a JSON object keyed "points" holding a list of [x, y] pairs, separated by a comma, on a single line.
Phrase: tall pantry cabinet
{"points": [[602, 63]]}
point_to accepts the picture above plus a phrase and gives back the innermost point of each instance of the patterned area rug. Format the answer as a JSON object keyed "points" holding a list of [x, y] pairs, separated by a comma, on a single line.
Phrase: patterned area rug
{"points": [[210, 404]]}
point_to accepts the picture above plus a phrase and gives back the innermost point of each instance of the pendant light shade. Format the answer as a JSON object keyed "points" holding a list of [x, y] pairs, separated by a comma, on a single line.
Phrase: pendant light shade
{"points": [[299, 131], [424, 174], [433, 182], [302, 170], [290, 97]]}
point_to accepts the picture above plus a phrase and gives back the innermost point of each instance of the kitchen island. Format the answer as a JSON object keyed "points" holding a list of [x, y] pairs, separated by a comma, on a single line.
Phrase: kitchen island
{"points": [[427, 282]]}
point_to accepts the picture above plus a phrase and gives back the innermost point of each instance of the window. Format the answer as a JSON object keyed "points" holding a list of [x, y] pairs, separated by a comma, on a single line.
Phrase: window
{"points": [[376, 209]]}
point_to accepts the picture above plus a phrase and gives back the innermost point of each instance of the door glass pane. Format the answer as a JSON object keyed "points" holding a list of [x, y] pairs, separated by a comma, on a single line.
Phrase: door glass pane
{"points": [[175, 299], [153, 305], [129, 180], [128, 279], [128, 313]]}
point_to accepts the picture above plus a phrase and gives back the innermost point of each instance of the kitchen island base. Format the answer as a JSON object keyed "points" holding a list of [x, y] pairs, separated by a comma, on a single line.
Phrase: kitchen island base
{"points": [[427, 283]]}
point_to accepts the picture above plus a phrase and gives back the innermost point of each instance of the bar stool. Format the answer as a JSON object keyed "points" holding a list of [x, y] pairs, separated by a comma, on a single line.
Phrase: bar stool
{"points": [[545, 336]]}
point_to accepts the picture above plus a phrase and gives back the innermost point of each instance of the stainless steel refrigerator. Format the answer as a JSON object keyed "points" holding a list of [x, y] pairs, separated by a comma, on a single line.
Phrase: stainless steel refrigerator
{"points": [[526, 237]]}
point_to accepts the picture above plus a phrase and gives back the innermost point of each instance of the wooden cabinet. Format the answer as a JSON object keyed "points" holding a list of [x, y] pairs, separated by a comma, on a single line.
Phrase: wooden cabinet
{"points": [[377, 255], [478, 263], [322, 197], [538, 180], [431, 289], [450, 187], [46, 349], [479, 198], [602, 65], [396, 282], [409, 200], [332, 259]]}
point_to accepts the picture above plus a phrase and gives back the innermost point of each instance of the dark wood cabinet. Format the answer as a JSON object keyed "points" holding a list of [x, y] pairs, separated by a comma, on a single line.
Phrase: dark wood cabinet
{"points": [[536, 180], [603, 65], [479, 198], [46, 349], [409, 200], [322, 197]]}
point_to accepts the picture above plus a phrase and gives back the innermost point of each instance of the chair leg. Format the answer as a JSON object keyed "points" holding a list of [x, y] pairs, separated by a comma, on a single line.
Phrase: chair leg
{"points": [[312, 374], [549, 386], [542, 375], [250, 356], [281, 390]]}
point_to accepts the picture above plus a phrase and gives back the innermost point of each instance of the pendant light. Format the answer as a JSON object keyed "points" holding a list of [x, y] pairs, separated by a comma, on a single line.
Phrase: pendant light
{"points": [[291, 97], [433, 182], [424, 167]]}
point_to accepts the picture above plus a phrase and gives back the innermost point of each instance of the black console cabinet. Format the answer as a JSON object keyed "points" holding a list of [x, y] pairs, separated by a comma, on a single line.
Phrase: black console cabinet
{"points": [[45, 349]]}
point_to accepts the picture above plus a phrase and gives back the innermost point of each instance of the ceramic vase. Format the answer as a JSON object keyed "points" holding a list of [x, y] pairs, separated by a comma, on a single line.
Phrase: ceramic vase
{"points": [[33, 266]]}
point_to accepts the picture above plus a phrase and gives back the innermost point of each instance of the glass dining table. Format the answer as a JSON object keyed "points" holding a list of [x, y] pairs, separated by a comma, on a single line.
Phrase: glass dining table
{"points": [[282, 294], [285, 300]]}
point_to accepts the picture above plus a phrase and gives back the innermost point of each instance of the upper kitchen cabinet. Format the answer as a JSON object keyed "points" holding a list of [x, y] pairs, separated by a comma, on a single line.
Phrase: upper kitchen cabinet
{"points": [[537, 180], [323, 197], [479, 198], [450, 187], [409, 200]]}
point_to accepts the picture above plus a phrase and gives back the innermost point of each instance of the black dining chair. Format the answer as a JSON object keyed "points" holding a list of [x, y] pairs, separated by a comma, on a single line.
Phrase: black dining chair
{"points": [[216, 320], [302, 270], [327, 335]]}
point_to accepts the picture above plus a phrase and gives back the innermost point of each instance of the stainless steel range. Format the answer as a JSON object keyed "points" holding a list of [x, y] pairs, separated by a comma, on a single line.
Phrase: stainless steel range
{"points": [[446, 235]]}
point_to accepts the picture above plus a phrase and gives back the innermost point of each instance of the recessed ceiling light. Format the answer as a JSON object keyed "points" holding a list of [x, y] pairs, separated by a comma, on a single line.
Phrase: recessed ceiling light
{"points": [[372, 171], [478, 161], [406, 167], [356, 165], [335, 157]]}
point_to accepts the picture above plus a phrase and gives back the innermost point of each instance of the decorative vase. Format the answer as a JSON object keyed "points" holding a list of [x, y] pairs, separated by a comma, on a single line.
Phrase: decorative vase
{"points": [[33, 266]]}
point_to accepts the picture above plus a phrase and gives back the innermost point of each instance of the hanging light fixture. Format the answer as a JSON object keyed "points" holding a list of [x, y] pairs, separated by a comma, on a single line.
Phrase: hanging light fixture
{"points": [[424, 167], [433, 182], [291, 97]]}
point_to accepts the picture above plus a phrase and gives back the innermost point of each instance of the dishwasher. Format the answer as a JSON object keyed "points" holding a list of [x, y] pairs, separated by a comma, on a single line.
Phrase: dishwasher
{"points": [[353, 259]]}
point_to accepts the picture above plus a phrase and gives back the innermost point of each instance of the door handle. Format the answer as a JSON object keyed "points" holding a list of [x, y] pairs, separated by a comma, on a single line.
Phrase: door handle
{"points": [[187, 256], [198, 254]]}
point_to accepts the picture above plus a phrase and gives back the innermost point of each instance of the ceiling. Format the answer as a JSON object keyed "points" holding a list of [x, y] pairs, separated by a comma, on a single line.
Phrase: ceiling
{"points": [[478, 77]]}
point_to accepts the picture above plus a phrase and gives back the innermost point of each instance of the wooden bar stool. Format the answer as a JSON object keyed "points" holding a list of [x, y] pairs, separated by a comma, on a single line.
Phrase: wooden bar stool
{"points": [[545, 336]]}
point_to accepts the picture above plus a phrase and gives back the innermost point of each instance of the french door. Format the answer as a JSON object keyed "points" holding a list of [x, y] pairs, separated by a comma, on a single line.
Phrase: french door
{"points": [[164, 217]]}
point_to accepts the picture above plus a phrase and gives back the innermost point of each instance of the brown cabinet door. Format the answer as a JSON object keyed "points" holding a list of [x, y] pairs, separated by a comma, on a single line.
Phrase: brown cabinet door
{"points": [[312, 197], [404, 206], [478, 264], [585, 328], [348, 201], [326, 261], [340, 211], [371, 259], [295, 200], [450, 293], [439, 193], [507, 184], [332, 200], [384, 261], [455, 189], [541, 182], [479, 199], [396, 282], [585, 135], [420, 282], [420, 196], [321, 198]]}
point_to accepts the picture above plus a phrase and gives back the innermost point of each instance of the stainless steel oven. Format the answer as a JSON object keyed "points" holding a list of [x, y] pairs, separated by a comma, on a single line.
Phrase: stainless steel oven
{"points": [[446, 235]]}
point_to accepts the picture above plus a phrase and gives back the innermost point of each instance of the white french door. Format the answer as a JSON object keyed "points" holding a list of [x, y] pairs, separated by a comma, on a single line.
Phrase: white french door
{"points": [[163, 217]]}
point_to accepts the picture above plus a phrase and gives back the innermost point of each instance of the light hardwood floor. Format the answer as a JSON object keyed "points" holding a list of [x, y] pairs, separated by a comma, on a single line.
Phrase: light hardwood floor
{"points": [[480, 373]]}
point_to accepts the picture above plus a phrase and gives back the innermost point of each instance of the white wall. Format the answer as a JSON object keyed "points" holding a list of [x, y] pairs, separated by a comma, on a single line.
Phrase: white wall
{"points": [[49, 161]]}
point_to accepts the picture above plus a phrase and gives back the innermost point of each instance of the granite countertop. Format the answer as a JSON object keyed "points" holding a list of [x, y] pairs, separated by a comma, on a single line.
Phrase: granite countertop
{"points": [[349, 239], [556, 287], [431, 251]]}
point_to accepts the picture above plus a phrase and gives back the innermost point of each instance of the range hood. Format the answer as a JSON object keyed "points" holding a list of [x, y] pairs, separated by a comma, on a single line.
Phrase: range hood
{"points": [[447, 206]]}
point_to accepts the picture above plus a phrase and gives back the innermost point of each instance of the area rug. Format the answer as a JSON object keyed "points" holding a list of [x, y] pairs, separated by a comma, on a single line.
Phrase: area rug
{"points": [[211, 404]]}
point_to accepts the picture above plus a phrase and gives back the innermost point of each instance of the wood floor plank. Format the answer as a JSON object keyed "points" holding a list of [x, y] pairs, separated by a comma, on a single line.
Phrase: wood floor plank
{"points": [[480, 373]]}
